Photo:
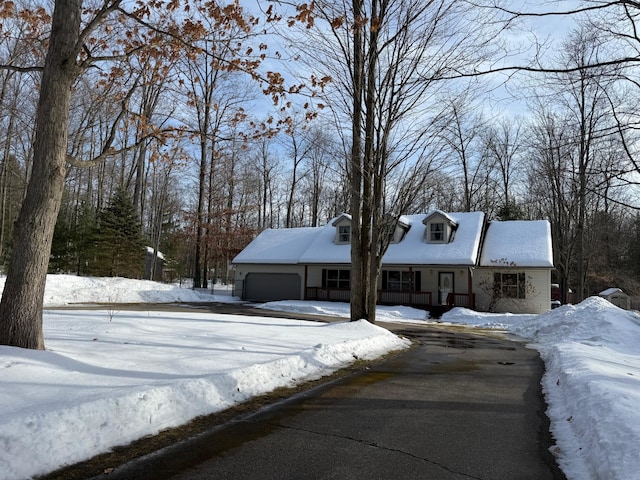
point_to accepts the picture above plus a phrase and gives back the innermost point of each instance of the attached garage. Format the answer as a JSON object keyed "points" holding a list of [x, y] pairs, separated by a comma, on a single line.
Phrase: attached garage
{"points": [[267, 287]]}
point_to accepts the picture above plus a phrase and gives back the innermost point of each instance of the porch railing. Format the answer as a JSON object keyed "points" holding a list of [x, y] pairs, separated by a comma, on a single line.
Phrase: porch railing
{"points": [[385, 297], [328, 294], [404, 298], [467, 300]]}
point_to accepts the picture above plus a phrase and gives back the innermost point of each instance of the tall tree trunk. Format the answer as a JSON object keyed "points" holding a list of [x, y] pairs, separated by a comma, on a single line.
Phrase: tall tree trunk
{"points": [[4, 181], [370, 203], [141, 156], [198, 260], [294, 180], [22, 298], [358, 299]]}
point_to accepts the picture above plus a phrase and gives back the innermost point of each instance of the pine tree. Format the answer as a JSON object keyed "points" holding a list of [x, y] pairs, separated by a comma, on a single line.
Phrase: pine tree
{"points": [[118, 242], [84, 236], [510, 210], [61, 260]]}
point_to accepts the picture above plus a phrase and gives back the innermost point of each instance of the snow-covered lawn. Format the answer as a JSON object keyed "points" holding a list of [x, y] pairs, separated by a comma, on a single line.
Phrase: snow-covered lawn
{"points": [[111, 376]]}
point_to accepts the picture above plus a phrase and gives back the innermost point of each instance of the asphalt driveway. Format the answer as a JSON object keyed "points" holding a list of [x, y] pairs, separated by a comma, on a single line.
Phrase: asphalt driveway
{"points": [[457, 406]]}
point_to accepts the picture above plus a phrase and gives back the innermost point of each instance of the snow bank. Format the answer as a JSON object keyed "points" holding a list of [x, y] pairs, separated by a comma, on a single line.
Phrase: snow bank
{"points": [[108, 378], [70, 289], [592, 385]]}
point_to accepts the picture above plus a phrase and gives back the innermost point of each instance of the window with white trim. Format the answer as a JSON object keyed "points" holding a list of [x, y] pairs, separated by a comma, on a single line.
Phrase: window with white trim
{"points": [[336, 278], [511, 285], [436, 232], [401, 281], [344, 233]]}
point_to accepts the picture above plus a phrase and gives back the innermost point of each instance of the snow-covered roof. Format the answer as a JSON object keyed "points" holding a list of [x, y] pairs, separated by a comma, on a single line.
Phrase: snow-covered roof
{"points": [[462, 250], [610, 291], [404, 221], [151, 250], [512, 243], [521, 243], [445, 215], [344, 216], [316, 245], [282, 246]]}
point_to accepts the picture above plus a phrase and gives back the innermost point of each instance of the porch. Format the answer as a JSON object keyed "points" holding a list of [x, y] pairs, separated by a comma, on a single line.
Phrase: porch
{"points": [[422, 300]]}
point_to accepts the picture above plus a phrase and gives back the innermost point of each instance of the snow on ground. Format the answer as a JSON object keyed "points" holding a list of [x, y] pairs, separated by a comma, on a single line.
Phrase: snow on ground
{"points": [[591, 353], [111, 376], [337, 309], [70, 289]]}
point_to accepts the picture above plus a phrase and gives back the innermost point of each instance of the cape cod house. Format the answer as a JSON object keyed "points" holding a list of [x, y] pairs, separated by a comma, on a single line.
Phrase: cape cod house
{"points": [[435, 261]]}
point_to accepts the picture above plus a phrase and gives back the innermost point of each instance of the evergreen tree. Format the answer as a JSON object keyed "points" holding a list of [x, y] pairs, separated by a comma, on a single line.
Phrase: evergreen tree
{"points": [[510, 210], [119, 249], [633, 249], [12, 186], [84, 237], [62, 253]]}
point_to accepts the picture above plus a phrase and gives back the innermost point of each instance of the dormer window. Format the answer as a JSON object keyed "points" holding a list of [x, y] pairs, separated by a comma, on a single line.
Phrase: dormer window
{"points": [[396, 229], [343, 229], [440, 227], [436, 232], [344, 233]]}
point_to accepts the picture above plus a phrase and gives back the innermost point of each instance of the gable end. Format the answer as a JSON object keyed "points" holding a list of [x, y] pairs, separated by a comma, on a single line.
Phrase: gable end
{"points": [[439, 228], [343, 229]]}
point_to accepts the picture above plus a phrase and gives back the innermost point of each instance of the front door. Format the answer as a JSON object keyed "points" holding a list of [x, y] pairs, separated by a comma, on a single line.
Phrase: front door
{"points": [[445, 286]]}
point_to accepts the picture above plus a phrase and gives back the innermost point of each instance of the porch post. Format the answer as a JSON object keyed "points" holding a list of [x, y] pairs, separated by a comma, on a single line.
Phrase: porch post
{"points": [[304, 294], [472, 303], [412, 285]]}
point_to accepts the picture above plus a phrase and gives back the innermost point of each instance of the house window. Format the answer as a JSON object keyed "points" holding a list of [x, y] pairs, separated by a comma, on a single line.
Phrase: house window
{"points": [[436, 232], [344, 233], [336, 279], [397, 281], [510, 285]]}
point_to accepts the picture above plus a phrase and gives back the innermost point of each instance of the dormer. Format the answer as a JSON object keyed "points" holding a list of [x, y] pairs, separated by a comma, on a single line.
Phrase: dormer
{"points": [[343, 229], [440, 227], [399, 230]]}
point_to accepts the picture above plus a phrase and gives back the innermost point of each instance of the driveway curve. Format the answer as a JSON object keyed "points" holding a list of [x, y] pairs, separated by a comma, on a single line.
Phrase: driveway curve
{"points": [[459, 405]]}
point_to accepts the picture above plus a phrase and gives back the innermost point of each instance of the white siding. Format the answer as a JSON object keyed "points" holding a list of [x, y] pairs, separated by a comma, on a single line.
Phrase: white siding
{"points": [[538, 292]]}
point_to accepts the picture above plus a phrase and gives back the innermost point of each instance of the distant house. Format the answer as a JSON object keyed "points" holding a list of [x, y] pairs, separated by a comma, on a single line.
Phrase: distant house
{"points": [[435, 261], [153, 265], [617, 297]]}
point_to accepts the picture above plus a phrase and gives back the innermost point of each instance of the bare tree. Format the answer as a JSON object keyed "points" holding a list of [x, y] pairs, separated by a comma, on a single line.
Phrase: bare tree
{"points": [[297, 146], [503, 145], [461, 135], [75, 44], [571, 138], [551, 189], [321, 160], [267, 167], [384, 58], [585, 100]]}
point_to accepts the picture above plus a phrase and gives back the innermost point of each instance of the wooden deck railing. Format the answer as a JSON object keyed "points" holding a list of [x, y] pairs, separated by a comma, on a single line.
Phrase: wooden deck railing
{"points": [[389, 297], [462, 300], [328, 294]]}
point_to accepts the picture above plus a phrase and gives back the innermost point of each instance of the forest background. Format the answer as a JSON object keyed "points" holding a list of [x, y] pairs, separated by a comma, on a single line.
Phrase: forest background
{"points": [[197, 154]]}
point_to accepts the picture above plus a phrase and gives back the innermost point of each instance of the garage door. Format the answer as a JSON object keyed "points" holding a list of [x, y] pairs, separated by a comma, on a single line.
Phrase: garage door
{"points": [[266, 287]]}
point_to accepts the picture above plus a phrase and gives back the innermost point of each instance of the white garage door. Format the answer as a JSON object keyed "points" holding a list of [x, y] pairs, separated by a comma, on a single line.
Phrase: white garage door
{"points": [[266, 287]]}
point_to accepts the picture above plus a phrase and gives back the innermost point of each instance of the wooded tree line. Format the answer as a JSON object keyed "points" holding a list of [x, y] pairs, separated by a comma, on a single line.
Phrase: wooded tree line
{"points": [[191, 125]]}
